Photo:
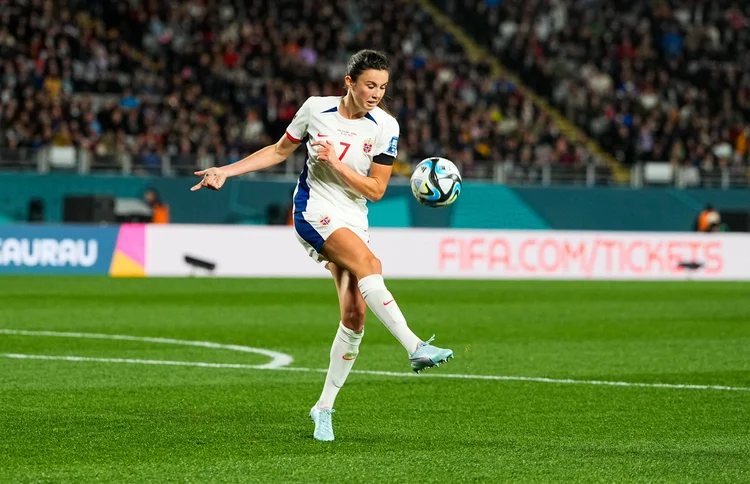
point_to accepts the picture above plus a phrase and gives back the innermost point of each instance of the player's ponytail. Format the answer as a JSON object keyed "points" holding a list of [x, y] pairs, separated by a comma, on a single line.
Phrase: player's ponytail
{"points": [[369, 59]]}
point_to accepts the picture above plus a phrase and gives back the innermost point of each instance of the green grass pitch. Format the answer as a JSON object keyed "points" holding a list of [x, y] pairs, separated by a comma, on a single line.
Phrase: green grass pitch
{"points": [[97, 421]]}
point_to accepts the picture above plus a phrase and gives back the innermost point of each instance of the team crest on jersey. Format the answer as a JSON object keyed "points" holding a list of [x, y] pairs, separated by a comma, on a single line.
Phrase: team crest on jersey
{"points": [[325, 220], [367, 147]]}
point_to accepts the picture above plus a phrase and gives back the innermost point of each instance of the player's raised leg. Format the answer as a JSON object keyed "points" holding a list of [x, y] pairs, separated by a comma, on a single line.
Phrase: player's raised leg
{"points": [[344, 350], [347, 250]]}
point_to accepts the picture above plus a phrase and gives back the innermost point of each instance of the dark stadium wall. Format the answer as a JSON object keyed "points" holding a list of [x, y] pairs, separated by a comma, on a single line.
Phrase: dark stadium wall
{"points": [[241, 202], [484, 206], [610, 208], [649, 209], [20, 189]]}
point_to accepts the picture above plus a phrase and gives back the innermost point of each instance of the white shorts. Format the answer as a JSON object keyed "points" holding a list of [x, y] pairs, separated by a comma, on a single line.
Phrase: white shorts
{"points": [[314, 227]]}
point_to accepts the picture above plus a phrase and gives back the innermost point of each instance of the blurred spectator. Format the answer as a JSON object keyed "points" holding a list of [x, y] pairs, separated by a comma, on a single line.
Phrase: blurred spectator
{"points": [[159, 208], [708, 220], [254, 133]]}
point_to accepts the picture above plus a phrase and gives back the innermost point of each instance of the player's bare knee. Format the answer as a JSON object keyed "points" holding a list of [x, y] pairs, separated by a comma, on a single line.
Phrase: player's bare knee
{"points": [[367, 266], [374, 265]]}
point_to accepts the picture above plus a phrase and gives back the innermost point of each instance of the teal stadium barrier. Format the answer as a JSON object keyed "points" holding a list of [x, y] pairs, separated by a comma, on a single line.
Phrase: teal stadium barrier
{"points": [[484, 206]]}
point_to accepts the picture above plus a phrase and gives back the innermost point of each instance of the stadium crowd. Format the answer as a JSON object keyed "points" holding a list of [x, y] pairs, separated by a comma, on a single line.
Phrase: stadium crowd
{"points": [[186, 79], [649, 80]]}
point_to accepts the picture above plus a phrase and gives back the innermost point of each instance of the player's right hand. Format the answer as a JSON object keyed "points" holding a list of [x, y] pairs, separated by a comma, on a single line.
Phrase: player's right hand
{"points": [[213, 179]]}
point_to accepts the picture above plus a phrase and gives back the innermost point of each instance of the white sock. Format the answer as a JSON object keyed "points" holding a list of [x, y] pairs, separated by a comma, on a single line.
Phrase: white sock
{"points": [[343, 354], [385, 308]]}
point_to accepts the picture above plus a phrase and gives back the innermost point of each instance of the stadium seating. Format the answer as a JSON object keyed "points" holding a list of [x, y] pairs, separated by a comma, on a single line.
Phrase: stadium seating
{"points": [[650, 81], [163, 88]]}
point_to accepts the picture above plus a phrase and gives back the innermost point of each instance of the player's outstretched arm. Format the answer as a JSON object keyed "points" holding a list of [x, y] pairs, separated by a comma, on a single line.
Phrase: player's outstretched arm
{"points": [[214, 178], [371, 187]]}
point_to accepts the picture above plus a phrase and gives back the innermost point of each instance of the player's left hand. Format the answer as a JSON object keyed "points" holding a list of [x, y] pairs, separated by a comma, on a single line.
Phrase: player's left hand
{"points": [[327, 153]]}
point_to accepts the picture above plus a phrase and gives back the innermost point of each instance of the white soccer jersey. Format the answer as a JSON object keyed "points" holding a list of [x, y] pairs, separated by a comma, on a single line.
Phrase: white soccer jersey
{"points": [[356, 142]]}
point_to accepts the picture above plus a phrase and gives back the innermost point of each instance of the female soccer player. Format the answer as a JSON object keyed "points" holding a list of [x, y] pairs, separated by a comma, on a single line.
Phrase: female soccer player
{"points": [[351, 144]]}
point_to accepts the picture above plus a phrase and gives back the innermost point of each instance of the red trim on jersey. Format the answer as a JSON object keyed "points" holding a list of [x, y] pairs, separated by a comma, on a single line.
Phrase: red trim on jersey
{"points": [[293, 138]]}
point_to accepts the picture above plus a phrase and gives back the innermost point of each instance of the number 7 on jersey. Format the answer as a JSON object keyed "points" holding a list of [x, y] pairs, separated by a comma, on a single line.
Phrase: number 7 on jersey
{"points": [[346, 148]]}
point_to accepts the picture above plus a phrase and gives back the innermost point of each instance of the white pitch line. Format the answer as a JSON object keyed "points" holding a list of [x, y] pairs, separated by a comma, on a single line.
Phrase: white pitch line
{"points": [[277, 359], [200, 364], [564, 381], [383, 373]]}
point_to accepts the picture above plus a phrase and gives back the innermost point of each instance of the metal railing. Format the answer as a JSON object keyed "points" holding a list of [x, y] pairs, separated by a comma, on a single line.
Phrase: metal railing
{"points": [[723, 177], [589, 175], [84, 162], [46, 160]]}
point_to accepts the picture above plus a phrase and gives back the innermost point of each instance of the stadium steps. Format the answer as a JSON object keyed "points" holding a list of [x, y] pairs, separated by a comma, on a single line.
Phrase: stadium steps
{"points": [[477, 53]]}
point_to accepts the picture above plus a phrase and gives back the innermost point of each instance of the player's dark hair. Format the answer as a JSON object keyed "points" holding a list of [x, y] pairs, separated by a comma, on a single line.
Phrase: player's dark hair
{"points": [[368, 59]]}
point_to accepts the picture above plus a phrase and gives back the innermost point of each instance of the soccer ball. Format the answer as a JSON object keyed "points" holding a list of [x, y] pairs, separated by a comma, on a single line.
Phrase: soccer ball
{"points": [[436, 182]]}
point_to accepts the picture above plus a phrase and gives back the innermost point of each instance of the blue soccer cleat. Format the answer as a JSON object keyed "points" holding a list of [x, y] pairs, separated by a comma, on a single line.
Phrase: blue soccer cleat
{"points": [[428, 356], [321, 417]]}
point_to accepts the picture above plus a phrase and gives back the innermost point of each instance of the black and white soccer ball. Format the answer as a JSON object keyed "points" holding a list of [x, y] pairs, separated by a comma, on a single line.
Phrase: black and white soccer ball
{"points": [[436, 182]]}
